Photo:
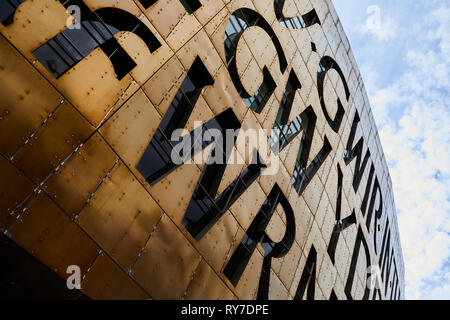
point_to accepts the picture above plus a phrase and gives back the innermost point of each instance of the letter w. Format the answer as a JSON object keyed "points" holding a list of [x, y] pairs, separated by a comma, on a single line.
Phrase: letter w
{"points": [[204, 209]]}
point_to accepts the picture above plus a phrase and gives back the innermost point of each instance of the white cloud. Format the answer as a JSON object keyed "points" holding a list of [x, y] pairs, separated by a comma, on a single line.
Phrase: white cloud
{"points": [[379, 24], [413, 115]]}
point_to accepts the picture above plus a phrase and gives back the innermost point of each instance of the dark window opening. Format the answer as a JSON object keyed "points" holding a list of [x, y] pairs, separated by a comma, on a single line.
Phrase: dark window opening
{"points": [[327, 63], [190, 5], [156, 162], [308, 278], [256, 233], [7, 10], [303, 175], [147, 3], [205, 209], [282, 135], [339, 225], [238, 22], [97, 29], [360, 239], [263, 94], [298, 22], [282, 132]]}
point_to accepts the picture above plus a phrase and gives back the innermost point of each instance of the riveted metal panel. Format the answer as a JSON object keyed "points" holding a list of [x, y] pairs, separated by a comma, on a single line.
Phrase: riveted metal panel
{"points": [[180, 260], [107, 281], [47, 232], [75, 181], [120, 216], [26, 99], [61, 133]]}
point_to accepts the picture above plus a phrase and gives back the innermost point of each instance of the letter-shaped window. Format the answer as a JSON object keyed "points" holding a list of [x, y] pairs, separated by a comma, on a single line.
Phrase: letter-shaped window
{"points": [[7, 10], [326, 64], [283, 133], [156, 162], [303, 173], [256, 233], [360, 239], [190, 5], [308, 279], [339, 224], [299, 22], [97, 29], [204, 209], [239, 21]]}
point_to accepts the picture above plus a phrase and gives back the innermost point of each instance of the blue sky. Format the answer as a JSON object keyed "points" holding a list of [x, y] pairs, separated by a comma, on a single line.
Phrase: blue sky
{"points": [[404, 58]]}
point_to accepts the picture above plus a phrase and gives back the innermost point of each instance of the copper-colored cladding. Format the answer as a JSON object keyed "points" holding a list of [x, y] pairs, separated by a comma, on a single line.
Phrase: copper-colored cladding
{"points": [[73, 184], [53, 142], [34, 23], [26, 99], [130, 129], [70, 190], [45, 231], [164, 84], [14, 188], [120, 216], [93, 101], [167, 263], [219, 241], [222, 95], [206, 285], [107, 281], [182, 183]]}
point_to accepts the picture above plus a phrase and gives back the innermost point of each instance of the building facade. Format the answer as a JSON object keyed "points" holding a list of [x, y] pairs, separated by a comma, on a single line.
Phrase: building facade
{"points": [[277, 187]]}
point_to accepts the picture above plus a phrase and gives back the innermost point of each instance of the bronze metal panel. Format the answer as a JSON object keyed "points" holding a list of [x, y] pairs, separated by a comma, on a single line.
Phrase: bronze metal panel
{"points": [[106, 281], [173, 23], [26, 99], [55, 140], [223, 95], [248, 205], [126, 5], [147, 63], [165, 270], [215, 246], [199, 116], [72, 185], [208, 10], [35, 22], [277, 291], [248, 285], [14, 188], [243, 57], [289, 265], [276, 228], [91, 86], [164, 15], [206, 285], [200, 46], [181, 182], [47, 233], [130, 130], [120, 216], [95, 208], [164, 84], [216, 31]]}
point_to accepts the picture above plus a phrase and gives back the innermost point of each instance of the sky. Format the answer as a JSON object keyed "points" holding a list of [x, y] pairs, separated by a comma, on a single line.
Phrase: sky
{"points": [[402, 48]]}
